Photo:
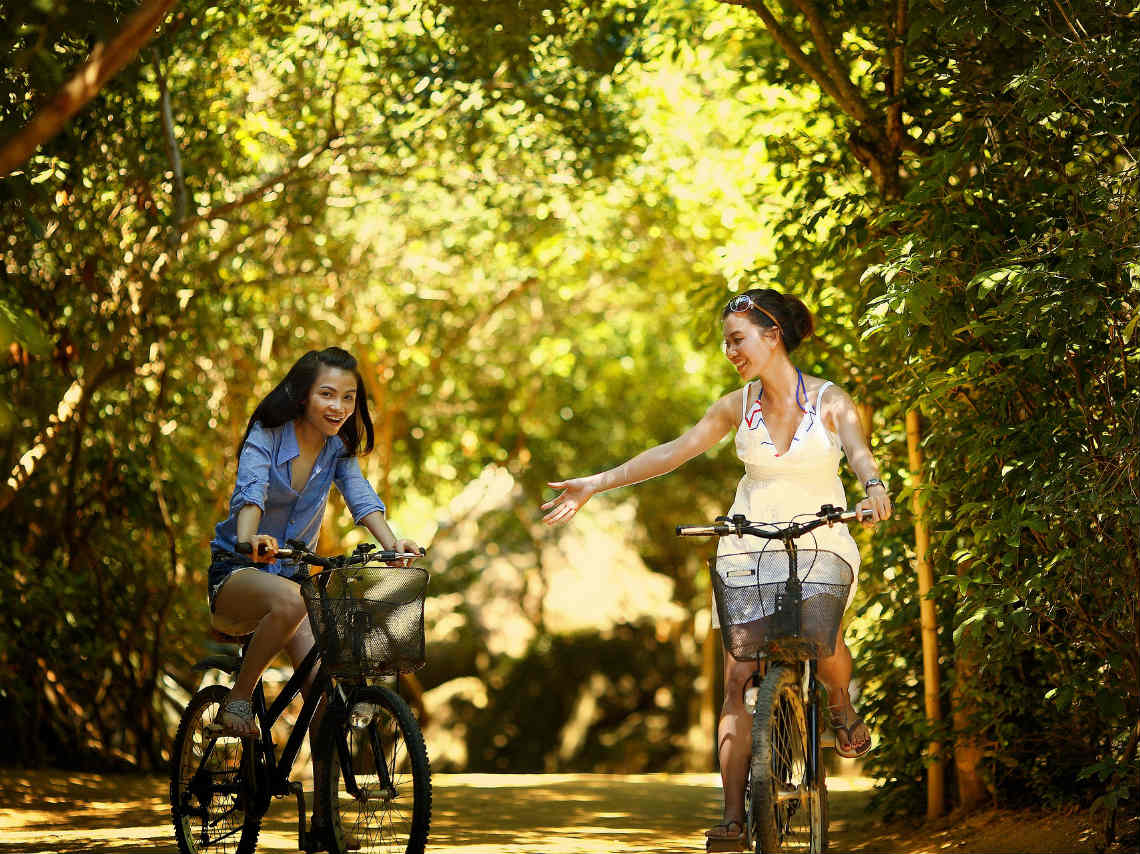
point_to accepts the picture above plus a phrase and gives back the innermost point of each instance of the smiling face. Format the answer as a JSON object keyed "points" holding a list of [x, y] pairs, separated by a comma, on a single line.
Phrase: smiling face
{"points": [[331, 400], [749, 347]]}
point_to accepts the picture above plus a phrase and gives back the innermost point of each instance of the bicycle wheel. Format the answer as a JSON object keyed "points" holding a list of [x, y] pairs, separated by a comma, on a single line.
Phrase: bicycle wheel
{"points": [[207, 804], [373, 779], [789, 814]]}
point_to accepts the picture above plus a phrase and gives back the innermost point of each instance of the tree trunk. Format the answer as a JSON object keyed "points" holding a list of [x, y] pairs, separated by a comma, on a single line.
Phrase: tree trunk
{"points": [[967, 750], [935, 788], [710, 708]]}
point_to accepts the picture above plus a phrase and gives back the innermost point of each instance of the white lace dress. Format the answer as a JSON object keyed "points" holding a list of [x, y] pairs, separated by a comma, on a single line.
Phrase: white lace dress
{"points": [[777, 487]]}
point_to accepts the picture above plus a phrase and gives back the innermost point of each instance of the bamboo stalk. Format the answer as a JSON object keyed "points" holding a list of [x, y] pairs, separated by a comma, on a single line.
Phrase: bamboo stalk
{"points": [[935, 788]]}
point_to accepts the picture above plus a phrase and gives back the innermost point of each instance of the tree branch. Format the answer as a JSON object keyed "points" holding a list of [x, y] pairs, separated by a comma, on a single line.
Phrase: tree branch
{"points": [[463, 334], [895, 134], [851, 101], [810, 68], [180, 203], [266, 186], [105, 61]]}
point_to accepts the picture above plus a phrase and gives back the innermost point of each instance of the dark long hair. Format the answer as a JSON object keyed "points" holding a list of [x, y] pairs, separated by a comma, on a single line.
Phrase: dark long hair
{"points": [[287, 400], [794, 318]]}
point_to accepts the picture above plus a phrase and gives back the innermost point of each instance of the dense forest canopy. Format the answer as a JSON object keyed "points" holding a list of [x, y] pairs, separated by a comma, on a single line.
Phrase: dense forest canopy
{"points": [[522, 215]]}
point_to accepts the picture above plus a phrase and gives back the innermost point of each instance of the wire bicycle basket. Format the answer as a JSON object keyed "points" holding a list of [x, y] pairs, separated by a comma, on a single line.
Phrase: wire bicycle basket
{"points": [[368, 620], [764, 613]]}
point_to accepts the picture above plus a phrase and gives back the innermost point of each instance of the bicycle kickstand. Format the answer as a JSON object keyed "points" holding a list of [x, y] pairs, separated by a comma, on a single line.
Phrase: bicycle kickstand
{"points": [[302, 829]]}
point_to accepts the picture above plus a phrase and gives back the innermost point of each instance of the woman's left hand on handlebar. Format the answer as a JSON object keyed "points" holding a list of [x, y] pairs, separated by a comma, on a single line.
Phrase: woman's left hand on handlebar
{"points": [[406, 545], [878, 502]]}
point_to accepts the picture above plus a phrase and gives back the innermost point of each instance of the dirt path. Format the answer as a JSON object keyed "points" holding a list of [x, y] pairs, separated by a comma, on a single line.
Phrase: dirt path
{"points": [[495, 813]]}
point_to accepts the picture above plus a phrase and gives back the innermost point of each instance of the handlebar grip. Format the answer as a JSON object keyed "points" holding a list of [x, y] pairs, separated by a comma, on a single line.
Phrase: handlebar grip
{"points": [[702, 530], [386, 555]]}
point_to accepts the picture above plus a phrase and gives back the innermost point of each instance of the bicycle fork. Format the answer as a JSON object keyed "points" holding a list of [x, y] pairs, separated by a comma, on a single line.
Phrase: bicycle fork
{"points": [[811, 708], [347, 768]]}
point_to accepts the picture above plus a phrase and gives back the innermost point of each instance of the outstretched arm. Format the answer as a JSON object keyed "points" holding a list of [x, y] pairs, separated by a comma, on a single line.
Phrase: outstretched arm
{"points": [[720, 418], [858, 452]]}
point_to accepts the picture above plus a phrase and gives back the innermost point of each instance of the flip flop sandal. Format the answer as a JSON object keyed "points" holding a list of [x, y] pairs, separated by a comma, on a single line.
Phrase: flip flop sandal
{"points": [[242, 709], [846, 729], [726, 840]]}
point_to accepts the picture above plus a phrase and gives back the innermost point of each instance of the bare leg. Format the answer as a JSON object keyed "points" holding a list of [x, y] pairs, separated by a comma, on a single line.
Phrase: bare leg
{"points": [[835, 673], [269, 606], [734, 738]]}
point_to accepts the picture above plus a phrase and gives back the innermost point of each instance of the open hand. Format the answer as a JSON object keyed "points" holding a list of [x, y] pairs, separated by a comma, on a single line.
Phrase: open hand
{"points": [[575, 493]]}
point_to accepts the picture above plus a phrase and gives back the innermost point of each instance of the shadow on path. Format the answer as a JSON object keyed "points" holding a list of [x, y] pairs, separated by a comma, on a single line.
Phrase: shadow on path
{"points": [[44, 811]]}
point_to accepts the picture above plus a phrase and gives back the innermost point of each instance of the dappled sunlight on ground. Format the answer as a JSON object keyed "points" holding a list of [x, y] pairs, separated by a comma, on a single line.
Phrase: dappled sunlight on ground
{"points": [[43, 811]]}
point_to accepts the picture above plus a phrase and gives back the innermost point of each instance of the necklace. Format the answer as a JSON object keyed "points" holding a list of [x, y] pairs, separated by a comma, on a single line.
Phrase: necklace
{"points": [[801, 386]]}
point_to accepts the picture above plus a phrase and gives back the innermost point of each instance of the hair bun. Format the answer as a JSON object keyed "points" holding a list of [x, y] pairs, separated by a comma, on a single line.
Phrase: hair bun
{"points": [[800, 320]]}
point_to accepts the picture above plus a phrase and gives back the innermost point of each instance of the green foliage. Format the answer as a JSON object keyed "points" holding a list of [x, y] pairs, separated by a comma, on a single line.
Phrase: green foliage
{"points": [[1007, 308], [997, 298], [523, 218], [638, 688], [339, 170], [991, 273]]}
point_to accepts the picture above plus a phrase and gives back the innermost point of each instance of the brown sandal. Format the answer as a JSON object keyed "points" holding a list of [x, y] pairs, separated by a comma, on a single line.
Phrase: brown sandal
{"points": [[852, 752], [720, 837], [714, 833]]}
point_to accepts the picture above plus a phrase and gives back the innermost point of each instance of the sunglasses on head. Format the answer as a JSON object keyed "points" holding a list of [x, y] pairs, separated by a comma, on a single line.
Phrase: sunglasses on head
{"points": [[743, 302]]}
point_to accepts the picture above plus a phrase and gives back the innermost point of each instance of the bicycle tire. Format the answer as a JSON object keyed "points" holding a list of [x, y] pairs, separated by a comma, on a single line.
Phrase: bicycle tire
{"points": [[382, 821], [219, 824], [787, 812], [819, 830]]}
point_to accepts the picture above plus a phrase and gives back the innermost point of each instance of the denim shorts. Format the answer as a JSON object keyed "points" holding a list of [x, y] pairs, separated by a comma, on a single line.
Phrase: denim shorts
{"points": [[223, 564]]}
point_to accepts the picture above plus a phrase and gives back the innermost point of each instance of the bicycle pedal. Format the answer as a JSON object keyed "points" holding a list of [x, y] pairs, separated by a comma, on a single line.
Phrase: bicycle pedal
{"points": [[216, 731]]}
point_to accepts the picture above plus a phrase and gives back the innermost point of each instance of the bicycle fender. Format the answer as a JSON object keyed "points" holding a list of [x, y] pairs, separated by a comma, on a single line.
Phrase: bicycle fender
{"points": [[226, 663]]}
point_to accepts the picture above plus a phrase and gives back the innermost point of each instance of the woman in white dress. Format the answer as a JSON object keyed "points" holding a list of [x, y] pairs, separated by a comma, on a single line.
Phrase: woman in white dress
{"points": [[791, 432]]}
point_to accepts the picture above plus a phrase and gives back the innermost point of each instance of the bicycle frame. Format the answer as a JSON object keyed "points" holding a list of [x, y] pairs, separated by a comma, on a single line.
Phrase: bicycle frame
{"points": [[786, 618], [265, 775]]}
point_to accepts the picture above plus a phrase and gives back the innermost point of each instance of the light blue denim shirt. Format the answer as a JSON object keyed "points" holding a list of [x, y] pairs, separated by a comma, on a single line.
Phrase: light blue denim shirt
{"points": [[264, 478]]}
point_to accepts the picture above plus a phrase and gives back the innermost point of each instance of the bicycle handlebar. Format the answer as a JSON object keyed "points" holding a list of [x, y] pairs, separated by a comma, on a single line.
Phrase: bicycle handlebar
{"points": [[297, 551], [739, 526]]}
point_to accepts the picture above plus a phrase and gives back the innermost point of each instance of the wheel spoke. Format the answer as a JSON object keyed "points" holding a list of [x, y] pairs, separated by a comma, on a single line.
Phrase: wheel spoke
{"points": [[206, 791], [385, 818], [786, 808]]}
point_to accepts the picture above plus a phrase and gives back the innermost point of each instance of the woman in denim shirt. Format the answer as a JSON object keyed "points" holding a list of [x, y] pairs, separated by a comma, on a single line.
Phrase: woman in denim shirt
{"points": [[301, 439]]}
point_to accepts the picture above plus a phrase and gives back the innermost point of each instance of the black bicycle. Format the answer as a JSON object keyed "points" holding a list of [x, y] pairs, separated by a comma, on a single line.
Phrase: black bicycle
{"points": [[782, 608], [373, 783]]}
